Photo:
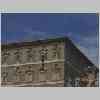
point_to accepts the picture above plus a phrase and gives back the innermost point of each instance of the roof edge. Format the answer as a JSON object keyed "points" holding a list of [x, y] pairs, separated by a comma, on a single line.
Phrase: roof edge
{"points": [[36, 42]]}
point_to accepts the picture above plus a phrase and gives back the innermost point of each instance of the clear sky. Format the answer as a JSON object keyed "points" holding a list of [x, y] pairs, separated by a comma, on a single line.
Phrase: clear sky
{"points": [[82, 29]]}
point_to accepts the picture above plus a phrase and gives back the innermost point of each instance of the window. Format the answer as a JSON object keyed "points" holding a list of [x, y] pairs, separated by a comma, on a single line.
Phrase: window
{"points": [[57, 69], [43, 53], [29, 74], [72, 82], [31, 55], [43, 76], [56, 51], [77, 82], [43, 57], [19, 74], [18, 56], [68, 82], [4, 76], [56, 75], [5, 57]]}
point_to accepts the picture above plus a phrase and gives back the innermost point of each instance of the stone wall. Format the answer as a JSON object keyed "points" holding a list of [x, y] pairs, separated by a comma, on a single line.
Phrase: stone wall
{"points": [[22, 66]]}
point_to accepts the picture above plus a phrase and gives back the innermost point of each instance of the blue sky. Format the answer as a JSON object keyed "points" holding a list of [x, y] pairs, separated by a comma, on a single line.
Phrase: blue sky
{"points": [[82, 29]]}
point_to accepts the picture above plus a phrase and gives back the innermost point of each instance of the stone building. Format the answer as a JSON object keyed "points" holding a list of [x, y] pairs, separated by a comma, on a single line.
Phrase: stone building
{"points": [[44, 63]]}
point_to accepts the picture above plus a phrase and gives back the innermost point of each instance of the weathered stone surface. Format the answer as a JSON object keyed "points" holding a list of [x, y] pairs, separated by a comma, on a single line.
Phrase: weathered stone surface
{"points": [[44, 63], [23, 64]]}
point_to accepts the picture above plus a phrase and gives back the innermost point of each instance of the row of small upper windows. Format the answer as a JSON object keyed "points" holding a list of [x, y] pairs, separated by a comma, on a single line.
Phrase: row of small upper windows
{"points": [[31, 54]]}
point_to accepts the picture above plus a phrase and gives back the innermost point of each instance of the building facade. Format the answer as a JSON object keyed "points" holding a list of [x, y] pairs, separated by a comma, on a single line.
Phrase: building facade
{"points": [[43, 63]]}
